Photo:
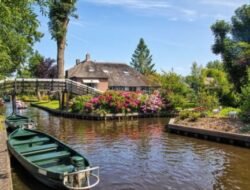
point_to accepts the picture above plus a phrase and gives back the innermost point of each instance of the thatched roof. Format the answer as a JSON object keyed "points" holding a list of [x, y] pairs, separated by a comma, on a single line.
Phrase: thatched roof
{"points": [[118, 74]]}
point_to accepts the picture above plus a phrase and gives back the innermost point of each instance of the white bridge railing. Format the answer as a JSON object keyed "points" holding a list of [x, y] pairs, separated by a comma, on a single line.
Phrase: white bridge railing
{"points": [[20, 85]]}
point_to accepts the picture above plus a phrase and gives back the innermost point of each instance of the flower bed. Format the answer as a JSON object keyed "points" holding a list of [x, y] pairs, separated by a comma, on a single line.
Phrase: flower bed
{"points": [[112, 102]]}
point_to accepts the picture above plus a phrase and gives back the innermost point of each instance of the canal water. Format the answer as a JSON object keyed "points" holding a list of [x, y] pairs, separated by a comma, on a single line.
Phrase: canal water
{"points": [[141, 155]]}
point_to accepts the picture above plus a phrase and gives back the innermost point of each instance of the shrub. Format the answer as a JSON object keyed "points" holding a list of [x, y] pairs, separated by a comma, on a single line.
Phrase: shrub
{"points": [[152, 104], [77, 107], [231, 99], [194, 116], [245, 129], [125, 102], [225, 111], [79, 102], [245, 103], [207, 101], [184, 114]]}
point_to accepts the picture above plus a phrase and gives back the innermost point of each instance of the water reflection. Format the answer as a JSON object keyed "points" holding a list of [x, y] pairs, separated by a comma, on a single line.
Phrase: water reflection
{"points": [[139, 154]]}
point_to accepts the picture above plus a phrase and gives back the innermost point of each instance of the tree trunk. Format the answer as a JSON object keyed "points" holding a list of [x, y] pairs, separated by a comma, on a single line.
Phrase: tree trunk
{"points": [[60, 58], [61, 43]]}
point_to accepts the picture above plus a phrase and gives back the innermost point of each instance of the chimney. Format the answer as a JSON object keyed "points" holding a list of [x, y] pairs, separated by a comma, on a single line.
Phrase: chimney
{"points": [[78, 61], [87, 57]]}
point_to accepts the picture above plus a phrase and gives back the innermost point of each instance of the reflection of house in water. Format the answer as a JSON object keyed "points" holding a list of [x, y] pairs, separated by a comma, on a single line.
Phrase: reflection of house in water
{"points": [[105, 75]]}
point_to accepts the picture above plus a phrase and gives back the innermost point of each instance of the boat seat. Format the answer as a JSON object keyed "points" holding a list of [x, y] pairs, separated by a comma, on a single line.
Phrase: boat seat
{"points": [[30, 141], [48, 156], [24, 134], [37, 149], [61, 168], [47, 163]]}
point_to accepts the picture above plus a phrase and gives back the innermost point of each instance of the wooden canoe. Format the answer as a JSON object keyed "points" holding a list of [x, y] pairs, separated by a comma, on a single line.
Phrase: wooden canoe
{"points": [[51, 161], [15, 121]]}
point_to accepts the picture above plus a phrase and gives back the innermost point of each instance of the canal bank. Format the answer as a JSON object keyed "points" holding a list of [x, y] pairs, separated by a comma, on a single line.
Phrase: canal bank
{"points": [[97, 117], [5, 171], [209, 134]]}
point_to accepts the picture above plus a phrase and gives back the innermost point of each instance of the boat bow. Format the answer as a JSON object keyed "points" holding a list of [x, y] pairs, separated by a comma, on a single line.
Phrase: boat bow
{"points": [[83, 179]]}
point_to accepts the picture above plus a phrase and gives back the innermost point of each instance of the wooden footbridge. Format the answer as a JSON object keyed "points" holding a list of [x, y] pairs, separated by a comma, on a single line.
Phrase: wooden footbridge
{"points": [[17, 86]]}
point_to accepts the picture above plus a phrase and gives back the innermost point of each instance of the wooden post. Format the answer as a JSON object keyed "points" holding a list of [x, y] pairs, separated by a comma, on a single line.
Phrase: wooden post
{"points": [[13, 97], [67, 101], [63, 100]]}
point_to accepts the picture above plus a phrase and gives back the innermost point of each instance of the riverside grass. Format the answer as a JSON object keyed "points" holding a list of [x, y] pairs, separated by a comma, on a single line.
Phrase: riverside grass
{"points": [[54, 104]]}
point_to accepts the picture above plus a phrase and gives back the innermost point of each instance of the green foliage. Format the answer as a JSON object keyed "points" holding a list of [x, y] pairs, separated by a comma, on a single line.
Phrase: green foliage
{"points": [[194, 80], [29, 98], [245, 104], [194, 116], [175, 89], [18, 33], [207, 100], [232, 43], [142, 60], [231, 99], [225, 111], [184, 114], [191, 115], [76, 107], [79, 102], [215, 65], [219, 82]]}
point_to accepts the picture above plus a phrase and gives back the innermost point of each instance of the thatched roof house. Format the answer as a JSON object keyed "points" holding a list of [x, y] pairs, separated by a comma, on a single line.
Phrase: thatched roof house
{"points": [[105, 75]]}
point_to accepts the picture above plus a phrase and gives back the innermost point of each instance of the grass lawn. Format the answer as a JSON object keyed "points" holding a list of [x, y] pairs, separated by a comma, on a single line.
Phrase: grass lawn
{"points": [[54, 104]]}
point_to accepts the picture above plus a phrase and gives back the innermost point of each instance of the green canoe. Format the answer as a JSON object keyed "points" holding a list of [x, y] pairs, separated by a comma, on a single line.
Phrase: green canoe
{"points": [[51, 161], [15, 121]]}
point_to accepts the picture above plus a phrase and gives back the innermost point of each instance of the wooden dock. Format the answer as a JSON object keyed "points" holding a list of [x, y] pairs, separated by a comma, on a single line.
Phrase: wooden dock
{"points": [[212, 135]]}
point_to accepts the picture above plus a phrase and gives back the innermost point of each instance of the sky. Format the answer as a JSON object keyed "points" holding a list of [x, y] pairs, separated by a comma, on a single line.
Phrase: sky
{"points": [[177, 32]]}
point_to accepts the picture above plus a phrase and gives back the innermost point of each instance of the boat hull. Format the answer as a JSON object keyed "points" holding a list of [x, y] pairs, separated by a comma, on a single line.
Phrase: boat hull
{"points": [[54, 183], [50, 161], [15, 121]]}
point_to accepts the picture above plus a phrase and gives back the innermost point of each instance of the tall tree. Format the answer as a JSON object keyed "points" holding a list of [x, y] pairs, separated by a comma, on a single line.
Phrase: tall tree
{"points": [[60, 12], [194, 80], [18, 33], [46, 69], [142, 59], [215, 65], [38, 67], [232, 42]]}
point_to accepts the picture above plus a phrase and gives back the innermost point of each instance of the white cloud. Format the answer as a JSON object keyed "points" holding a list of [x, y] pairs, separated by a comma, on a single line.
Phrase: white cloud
{"points": [[225, 3], [138, 4], [185, 10]]}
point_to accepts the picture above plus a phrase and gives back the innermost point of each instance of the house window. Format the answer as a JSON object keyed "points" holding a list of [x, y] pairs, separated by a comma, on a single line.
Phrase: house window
{"points": [[93, 85], [132, 88], [91, 82], [121, 88]]}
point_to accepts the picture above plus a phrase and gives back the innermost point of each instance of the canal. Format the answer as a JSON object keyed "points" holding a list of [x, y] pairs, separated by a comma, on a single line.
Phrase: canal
{"points": [[141, 155]]}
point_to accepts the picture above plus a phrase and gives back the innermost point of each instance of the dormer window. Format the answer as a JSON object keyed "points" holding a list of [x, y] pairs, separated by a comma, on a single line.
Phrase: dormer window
{"points": [[91, 69]]}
